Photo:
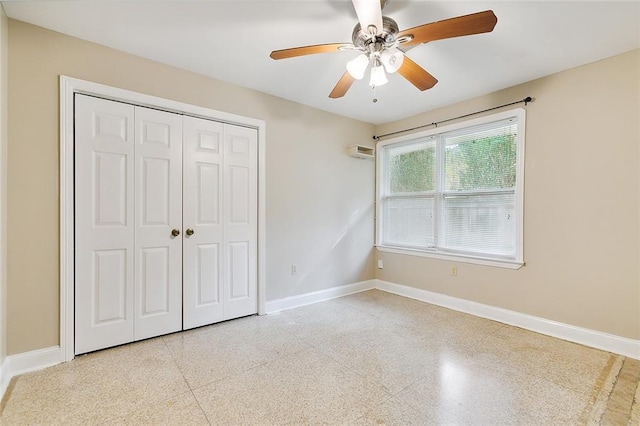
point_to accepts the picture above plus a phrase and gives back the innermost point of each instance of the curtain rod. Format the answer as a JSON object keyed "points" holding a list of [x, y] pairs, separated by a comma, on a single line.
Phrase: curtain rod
{"points": [[525, 101]]}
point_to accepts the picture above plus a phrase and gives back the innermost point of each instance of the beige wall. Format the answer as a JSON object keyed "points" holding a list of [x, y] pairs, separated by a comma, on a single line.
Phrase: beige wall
{"points": [[4, 47], [581, 217], [319, 201]]}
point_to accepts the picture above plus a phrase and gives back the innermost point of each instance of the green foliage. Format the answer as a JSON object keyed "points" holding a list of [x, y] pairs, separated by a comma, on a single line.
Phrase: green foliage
{"points": [[413, 171], [483, 163]]}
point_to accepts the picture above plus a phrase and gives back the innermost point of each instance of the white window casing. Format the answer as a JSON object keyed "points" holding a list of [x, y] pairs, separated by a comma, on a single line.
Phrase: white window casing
{"points": [[449, 202]]}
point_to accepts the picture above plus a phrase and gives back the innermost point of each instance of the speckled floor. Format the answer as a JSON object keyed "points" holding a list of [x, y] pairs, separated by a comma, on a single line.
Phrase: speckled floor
{"points": [[369, 358]]}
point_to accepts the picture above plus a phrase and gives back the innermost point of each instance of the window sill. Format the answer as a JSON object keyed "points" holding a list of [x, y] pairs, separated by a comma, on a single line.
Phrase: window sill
{"points": [[507, 264]]}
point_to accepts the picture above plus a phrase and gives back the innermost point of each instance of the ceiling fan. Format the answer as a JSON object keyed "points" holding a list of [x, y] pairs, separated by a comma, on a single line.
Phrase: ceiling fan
{"points": [[383, 45]]}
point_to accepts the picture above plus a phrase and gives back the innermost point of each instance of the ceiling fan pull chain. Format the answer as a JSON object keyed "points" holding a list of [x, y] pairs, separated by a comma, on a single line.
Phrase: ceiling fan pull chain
{"points": [[374, 95]]}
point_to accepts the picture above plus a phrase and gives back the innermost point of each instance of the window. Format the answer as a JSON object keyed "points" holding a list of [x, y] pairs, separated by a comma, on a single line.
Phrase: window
{"points": [[455, 192]]}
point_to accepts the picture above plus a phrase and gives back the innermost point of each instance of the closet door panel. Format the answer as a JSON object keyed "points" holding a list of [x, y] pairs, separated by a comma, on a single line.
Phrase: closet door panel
{"points": [[207, 274], [104, 225], [158, 198], [240, 221], [202, 213]]}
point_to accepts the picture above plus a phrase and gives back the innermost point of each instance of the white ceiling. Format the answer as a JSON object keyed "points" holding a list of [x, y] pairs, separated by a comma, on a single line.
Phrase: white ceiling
{"points": [[231, 40]]}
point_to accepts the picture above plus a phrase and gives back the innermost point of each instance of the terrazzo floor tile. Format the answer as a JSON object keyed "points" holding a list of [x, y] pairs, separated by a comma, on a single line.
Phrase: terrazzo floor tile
{"points": [[396, 412], [462, 330], [391, 359], [379, 303], [95, 387], [393, 309], [304, 388], [248, 324], [224, 351], [179, 410], [321, 322], [423, 319], [564, 363], [465, 393]]}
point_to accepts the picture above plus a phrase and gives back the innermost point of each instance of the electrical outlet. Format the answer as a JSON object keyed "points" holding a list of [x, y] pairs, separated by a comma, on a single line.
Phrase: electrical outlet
{"points": [[380, 264], [294, 270], [454, 271]]}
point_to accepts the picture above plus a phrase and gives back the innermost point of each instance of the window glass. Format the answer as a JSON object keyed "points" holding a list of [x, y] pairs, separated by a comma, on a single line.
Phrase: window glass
{"points": [[480, 224], [412, 168], [481, 159], [409, 221]]}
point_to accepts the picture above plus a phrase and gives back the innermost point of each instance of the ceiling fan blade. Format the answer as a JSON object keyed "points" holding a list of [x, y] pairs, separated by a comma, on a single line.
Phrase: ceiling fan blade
{"points": [[369, 13], [342, 86], [416, 75], [308, 50], [476, 23]]}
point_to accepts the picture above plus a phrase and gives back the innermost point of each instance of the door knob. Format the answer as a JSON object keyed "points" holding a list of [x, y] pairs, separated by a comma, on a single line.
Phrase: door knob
{"points": [[175, 232], [189, 231]]}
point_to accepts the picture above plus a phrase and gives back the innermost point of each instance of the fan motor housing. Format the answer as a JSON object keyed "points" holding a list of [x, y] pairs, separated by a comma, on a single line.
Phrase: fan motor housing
{"points": [[362, 39]]}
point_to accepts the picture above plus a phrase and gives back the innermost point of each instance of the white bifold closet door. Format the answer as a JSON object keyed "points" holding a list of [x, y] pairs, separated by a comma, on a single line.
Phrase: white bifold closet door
{"points": [[104, 224], [220, 207], [158, 212], [165, 222], [128, 200]]}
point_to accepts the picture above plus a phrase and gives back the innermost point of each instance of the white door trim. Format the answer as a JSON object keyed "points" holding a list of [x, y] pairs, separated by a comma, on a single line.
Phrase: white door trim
{"points": [[68, 87]]}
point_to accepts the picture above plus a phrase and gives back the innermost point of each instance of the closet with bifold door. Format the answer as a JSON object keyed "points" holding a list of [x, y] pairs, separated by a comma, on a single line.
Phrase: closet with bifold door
{"points": [[165, 222]]}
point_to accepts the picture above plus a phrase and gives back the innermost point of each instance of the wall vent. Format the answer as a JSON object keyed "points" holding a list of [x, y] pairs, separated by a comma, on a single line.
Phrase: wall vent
{"points": [[361, 151]]}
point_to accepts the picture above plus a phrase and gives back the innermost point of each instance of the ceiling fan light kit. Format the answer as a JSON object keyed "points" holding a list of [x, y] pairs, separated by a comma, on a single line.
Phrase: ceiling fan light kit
{"points": [[357, 66], [378, 77], [379, 49], [392, 59], [379, 39]]}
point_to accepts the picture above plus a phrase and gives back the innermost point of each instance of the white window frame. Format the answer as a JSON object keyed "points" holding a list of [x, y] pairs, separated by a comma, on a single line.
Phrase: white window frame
{"points": [[519, 114]]}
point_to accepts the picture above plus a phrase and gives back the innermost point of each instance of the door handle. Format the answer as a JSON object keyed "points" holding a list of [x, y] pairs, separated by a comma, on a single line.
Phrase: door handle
{"points": [[189, 231], [175, 232]]}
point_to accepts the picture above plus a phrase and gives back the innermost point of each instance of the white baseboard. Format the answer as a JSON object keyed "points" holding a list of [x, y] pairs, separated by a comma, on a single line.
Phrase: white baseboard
{"points": [[317, 296], [26, 362], [584, 336], [4, 378]]}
